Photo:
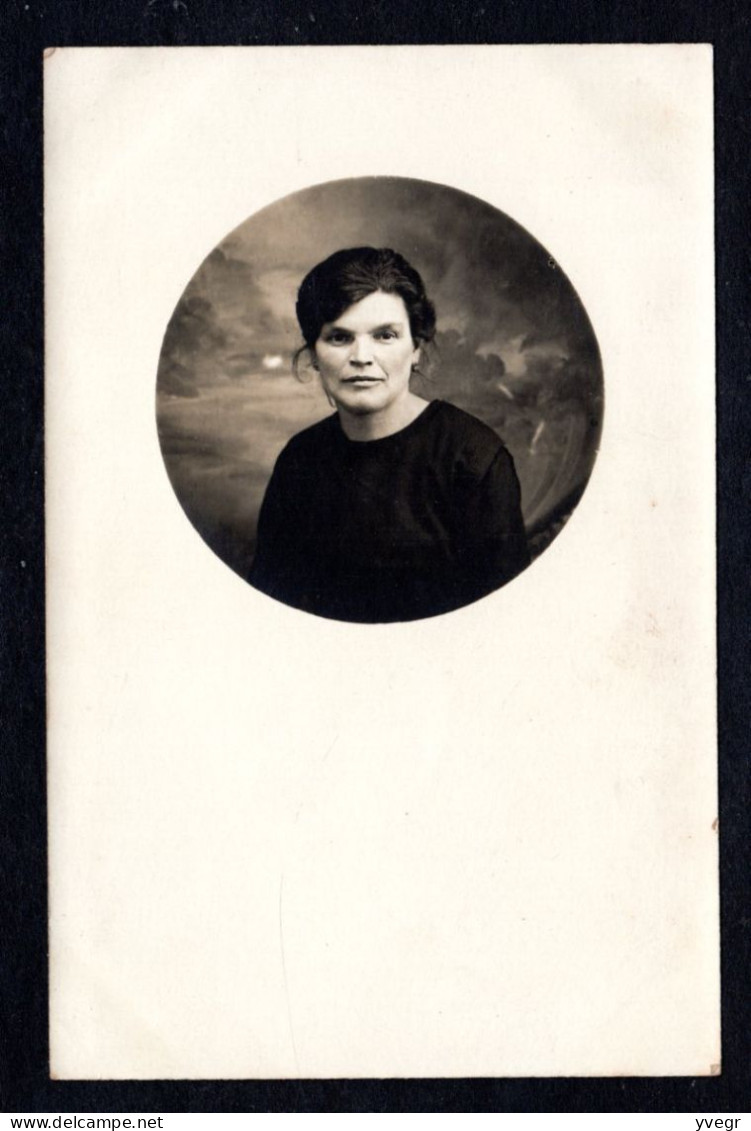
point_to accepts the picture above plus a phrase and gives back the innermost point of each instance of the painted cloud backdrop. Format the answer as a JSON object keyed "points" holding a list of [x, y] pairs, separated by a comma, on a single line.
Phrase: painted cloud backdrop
{"points": [[514, 346]]}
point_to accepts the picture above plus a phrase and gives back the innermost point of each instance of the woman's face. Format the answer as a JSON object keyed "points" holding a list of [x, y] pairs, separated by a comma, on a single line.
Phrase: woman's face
{"points": [[365, 357]]}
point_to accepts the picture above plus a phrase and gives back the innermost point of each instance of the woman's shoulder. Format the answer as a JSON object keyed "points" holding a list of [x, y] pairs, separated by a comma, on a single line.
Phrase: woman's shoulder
{"points": [[475, 440], [464, 423], [312, 438]]}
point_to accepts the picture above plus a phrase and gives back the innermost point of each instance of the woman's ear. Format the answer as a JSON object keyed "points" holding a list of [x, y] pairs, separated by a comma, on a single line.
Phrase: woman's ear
{"points": [[303, 360]]}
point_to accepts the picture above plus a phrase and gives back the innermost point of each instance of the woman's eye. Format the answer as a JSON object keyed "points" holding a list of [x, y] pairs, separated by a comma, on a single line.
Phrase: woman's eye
{"points": [[337, 338], [386, 335]]}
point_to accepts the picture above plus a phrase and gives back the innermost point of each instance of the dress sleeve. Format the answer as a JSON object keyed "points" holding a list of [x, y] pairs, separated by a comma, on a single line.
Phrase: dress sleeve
{"points": [[490, 541], [278, 562]]}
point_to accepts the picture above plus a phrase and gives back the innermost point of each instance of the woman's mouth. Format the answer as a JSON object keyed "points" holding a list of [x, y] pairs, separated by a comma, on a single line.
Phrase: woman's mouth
{"points": [[362, 381]]}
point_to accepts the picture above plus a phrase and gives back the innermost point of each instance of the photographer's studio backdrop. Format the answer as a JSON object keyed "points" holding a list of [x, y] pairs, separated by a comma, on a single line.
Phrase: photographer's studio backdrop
{"points": [[514, 347], [482, 843]]}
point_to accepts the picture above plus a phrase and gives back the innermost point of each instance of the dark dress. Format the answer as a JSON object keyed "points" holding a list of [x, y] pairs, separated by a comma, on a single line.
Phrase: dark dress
{"points": [[407, 526]]}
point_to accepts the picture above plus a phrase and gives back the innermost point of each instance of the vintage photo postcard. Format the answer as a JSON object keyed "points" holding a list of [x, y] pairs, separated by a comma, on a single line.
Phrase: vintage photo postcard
{"points": [[381, 562]]}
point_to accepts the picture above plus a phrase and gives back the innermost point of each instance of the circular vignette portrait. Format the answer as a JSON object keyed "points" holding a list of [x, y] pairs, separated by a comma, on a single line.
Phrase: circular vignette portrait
{"points": [[379, 399]]}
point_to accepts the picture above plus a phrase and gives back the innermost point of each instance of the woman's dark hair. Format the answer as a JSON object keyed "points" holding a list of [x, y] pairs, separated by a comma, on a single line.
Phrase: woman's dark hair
{"points": [[349, 276]]}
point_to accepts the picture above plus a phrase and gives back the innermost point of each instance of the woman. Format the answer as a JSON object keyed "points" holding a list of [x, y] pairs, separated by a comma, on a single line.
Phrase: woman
{"points": [[394, 508]]}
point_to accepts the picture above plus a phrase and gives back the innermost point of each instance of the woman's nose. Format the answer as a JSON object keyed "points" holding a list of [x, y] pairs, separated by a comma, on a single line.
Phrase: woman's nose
{"points": [[361, 352]]}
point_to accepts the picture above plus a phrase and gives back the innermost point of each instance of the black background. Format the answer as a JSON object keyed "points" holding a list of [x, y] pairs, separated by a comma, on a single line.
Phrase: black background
{"points": [[25, 29]]}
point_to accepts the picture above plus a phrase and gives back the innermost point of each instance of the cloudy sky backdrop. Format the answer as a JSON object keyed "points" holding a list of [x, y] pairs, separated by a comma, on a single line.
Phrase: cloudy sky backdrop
{"points": [[514, 346]]}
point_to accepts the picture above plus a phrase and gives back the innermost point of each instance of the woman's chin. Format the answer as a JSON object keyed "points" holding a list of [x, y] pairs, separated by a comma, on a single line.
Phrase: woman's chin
{"points": [[360, 400], [357, 408]]}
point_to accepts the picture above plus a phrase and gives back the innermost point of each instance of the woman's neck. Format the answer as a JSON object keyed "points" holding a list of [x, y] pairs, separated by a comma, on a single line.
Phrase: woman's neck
{"points": [[377, 425]]}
